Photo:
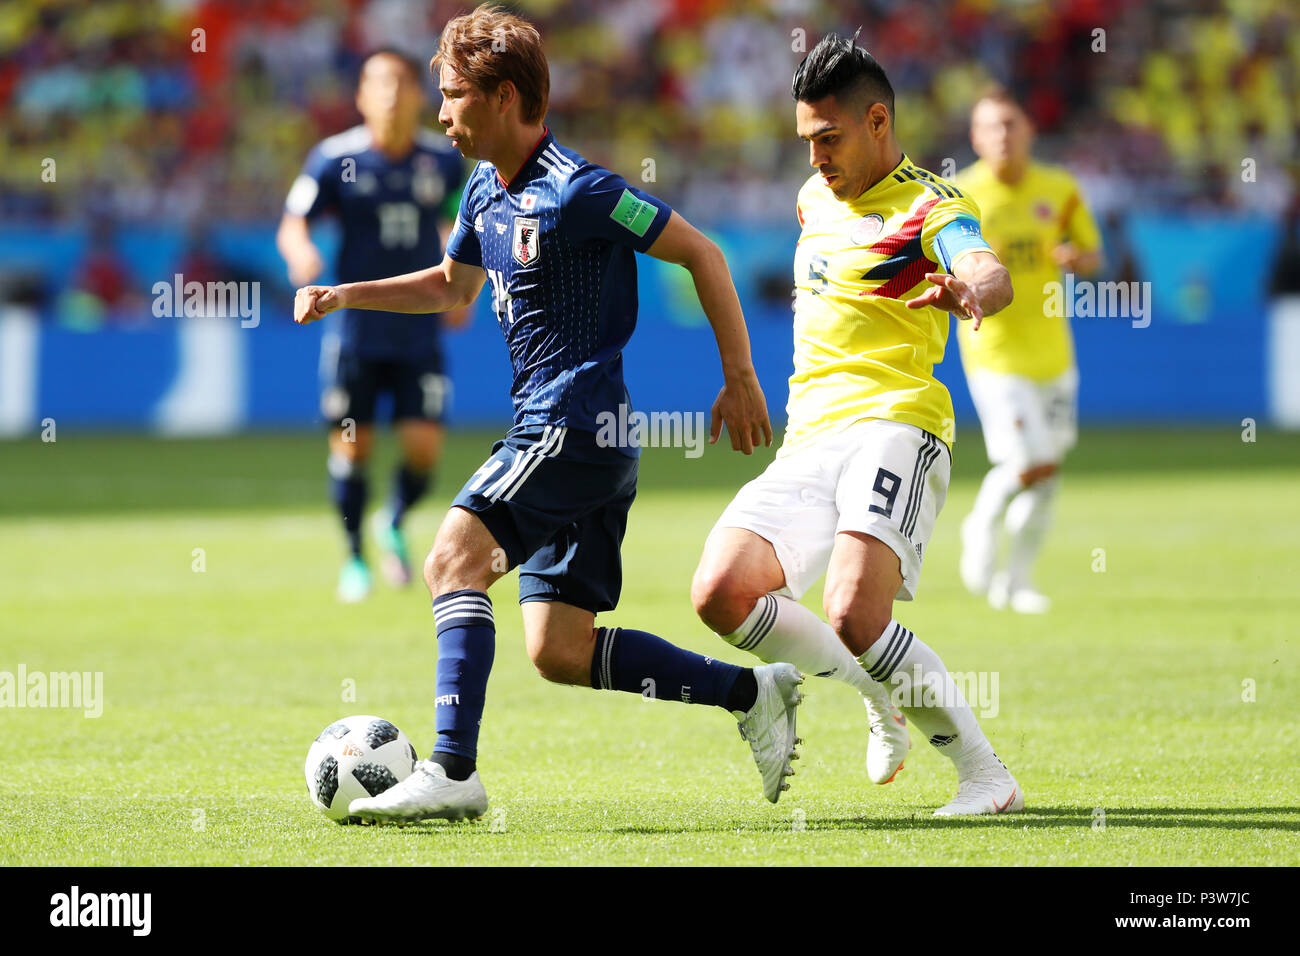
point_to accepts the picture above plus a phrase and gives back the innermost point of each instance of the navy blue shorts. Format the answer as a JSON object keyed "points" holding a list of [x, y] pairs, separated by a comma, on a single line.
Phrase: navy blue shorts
{"points": [[419, 389], [556, 502]]}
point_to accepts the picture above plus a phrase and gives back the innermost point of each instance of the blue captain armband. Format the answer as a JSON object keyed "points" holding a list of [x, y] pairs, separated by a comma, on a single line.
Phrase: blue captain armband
{"points": [[957, 237]]}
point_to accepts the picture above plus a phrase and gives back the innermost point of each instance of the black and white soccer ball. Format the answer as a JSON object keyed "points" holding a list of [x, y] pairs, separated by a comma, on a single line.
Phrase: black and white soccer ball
{"points": [[355, 757]]}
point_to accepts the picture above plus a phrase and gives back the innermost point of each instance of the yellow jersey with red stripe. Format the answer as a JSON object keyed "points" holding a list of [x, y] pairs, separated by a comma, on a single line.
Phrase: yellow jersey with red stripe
{"points": [[859, 352], [1024, 221]]}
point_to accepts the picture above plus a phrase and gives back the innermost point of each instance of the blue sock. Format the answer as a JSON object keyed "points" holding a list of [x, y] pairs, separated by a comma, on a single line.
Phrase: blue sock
{"points": [[349, 494], [641, 663], [409, 486], [466, 646]]}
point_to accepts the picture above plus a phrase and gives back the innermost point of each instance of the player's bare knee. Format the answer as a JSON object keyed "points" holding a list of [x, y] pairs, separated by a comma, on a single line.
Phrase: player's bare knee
{"points": [[549, 667], [556, 669], [1038, 473], [560, 661], [858, 623], [432, 575], [448, 568], [351, 446], [720, 599], [704, 591]]}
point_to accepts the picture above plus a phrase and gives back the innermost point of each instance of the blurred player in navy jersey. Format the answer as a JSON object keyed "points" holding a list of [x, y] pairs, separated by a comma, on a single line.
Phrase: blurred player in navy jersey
{"points": [[394, 188], [557, 236]]}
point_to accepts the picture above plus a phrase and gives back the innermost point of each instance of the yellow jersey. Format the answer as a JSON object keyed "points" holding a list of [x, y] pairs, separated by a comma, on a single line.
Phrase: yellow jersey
{"points": [[1024, 222], [859, 352]]}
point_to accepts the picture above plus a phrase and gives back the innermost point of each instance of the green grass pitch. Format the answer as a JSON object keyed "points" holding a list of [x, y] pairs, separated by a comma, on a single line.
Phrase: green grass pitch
{"points": [[1151, 717]]}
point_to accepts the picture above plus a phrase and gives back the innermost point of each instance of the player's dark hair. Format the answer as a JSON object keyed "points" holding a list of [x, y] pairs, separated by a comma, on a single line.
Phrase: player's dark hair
{"points": [[410, 62], [490, 46], [838, 67], [997, 93]]}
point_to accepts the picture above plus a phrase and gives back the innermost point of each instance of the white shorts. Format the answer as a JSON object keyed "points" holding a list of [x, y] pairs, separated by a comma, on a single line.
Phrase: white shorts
{"points": [[1026, 423], [878, 477]]}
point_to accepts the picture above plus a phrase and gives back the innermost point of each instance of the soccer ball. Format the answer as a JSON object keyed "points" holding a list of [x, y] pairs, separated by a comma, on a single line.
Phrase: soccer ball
{"points": [[355, 757]]}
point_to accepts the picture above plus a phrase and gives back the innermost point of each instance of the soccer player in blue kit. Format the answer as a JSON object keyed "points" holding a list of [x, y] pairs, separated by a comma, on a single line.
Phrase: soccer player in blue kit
{"points": [[393, 187], [557, 237]]}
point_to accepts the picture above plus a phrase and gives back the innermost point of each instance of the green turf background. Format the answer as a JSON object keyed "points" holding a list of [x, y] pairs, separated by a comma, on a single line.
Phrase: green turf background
{"points": [[1126, 700]]}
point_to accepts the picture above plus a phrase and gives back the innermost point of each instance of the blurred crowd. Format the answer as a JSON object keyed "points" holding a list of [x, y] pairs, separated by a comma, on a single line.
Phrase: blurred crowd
{"points": [[182, 111]]}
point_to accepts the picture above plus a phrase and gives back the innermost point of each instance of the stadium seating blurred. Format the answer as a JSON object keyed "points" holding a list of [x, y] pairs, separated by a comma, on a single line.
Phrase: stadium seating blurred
{"points": [[176, 122]]}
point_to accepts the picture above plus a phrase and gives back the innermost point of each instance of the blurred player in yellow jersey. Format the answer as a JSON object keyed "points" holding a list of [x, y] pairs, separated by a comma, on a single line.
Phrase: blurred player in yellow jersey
{"points": [[1020, 367], [886, 251]]}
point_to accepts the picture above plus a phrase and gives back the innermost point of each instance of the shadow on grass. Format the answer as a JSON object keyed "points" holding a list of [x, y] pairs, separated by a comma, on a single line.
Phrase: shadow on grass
{"points": [[1176, 818], [1044, 818]]}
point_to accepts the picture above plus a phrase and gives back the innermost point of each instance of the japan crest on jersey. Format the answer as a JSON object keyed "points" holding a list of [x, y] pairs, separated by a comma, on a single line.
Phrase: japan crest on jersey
{"points": [[526, 247]]}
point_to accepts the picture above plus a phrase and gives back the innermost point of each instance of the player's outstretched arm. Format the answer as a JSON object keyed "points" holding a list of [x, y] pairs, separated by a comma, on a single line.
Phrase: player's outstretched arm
{"points": [[458, 317], [979, 286], [448, 285], [740, 404]]}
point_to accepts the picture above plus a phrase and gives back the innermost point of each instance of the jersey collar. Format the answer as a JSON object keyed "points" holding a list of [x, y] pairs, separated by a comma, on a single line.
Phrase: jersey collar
{"points": [[542, 142], [884, 180]]}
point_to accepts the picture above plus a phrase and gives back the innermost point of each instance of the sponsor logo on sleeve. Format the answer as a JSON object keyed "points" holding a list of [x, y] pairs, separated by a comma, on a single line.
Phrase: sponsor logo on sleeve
{"points": [[634, 215]]}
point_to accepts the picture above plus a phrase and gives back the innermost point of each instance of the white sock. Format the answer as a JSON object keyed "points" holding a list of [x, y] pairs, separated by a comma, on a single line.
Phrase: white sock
{"points": [[779, 629], [999, 486], [924, 690], [1028, 517]]}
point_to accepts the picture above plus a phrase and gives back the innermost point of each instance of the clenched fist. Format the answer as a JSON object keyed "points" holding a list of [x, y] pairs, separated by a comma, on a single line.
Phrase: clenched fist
{"points": [[313, 302]]}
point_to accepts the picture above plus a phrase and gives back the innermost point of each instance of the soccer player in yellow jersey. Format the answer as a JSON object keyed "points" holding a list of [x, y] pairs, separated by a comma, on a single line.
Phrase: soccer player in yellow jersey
{"points": [[887, 250], [1020, 367]]}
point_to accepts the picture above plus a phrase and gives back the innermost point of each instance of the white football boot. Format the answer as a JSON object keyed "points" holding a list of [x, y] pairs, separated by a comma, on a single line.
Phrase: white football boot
{"points": [[988, 789], [769, 726], [1026, 600], [426, 794], [1021, 598], [888, 743]]}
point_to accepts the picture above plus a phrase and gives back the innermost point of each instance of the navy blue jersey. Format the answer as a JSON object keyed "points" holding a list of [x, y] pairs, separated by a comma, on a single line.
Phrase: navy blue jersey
{"points": [[558, 244], [389, 212]]}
